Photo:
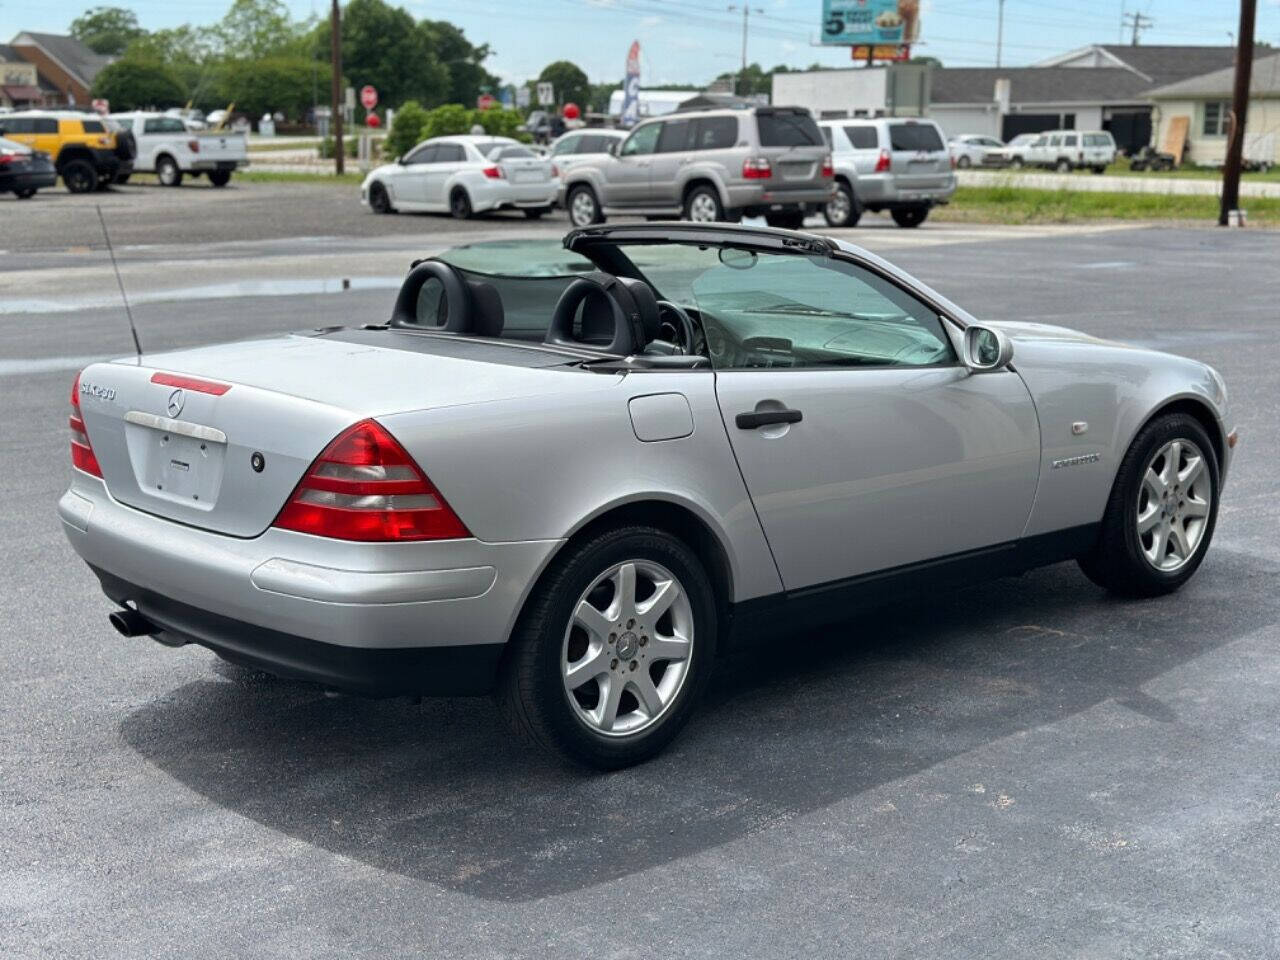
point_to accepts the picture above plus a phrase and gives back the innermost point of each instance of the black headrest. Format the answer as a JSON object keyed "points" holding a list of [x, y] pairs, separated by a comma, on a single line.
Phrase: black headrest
{"points": [[617, 316], [452, 309], [487, 315]]}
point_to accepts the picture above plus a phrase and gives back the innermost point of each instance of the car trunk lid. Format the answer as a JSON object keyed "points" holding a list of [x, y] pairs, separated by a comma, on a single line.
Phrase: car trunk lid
{"points": [[918, 156], [218, 437]]}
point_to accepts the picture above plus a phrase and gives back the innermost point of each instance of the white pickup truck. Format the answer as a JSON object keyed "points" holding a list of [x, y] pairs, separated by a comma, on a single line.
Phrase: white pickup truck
{"points": [[169, 150]]}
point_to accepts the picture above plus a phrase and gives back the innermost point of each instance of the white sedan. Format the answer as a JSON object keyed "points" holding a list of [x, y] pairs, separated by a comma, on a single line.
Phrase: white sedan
{"points": [[463, 175]]}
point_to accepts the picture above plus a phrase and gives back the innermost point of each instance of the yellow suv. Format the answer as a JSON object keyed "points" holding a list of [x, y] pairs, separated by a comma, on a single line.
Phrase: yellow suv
{"points": [[83, 147]]}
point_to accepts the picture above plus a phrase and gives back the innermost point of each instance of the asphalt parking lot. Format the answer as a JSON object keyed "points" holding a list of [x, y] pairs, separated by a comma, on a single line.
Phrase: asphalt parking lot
{"points": [[1028, 769]]}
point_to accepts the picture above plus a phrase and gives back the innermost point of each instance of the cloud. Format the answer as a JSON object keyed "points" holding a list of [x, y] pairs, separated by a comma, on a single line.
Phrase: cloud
{"points": [[654, 21]]}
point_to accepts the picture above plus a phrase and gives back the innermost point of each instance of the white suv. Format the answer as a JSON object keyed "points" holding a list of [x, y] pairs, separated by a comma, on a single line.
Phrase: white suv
{"points": [[1067, 150], [890, 163]]}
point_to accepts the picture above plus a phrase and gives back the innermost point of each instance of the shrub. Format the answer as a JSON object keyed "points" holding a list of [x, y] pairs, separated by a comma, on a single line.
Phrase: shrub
{"points": [[406, 129]]}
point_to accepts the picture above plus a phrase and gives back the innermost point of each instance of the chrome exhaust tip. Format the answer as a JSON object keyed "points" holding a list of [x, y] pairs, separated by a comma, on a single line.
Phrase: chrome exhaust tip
{"points": [[130, 623]]}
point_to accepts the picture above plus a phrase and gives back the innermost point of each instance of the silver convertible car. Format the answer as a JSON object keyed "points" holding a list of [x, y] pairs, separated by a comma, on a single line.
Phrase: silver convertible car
{"points": [[573, 476]]}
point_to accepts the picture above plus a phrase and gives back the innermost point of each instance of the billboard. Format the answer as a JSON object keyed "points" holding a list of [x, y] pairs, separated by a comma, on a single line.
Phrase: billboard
{"points": [[870, 22]]}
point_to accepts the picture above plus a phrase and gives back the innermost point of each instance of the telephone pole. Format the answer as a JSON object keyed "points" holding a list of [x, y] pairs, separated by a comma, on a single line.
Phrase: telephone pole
{"points": [[1139, 22], [746, 16], [1239, 107], [335, 56], [999, 32]]}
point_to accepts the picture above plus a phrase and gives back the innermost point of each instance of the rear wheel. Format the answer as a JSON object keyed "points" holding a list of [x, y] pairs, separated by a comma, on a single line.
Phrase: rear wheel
{"points": [[702, 205], [1162, 511], [843, 209], [1016, 163], [1099, 169], [26, 193], [963, 162], [1063, 166], [533, 213], [584, 209], [379, 201], [791, 220], [460, 205], [168, 172], [613, 650], [79, 176], [219, 178], [909, 217]]}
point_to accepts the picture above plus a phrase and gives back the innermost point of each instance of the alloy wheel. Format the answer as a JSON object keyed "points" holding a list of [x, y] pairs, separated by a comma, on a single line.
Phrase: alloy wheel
{"points": [[838, 208], [703, 208], [1174, 500], [627, 648], [582, 209]]}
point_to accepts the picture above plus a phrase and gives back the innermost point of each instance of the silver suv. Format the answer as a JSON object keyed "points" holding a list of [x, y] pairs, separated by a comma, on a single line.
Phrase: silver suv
{"points": [[716, 164], [889, 163]]}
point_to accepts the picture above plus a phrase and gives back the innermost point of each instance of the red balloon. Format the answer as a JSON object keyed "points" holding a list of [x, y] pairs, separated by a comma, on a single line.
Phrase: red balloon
{"points": [[372, 120], [571, 111]]}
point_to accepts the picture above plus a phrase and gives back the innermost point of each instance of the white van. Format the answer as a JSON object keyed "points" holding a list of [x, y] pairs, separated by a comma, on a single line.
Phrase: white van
{"points": [[1067, 150]]}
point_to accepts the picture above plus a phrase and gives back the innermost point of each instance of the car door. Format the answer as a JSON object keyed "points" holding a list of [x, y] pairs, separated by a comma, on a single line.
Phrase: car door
{"points": [[627, 174], [450, 158], [864, 443], [409, 181], [862, 145], [672, 154], [1071, 148]]}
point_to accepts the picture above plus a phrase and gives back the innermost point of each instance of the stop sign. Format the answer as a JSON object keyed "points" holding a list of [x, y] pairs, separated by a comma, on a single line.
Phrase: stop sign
{"points": [[485, 101], [368, 97]]}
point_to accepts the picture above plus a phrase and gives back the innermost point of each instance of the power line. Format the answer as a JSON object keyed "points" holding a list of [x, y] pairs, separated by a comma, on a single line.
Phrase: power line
{"points": [[1139, 22]]}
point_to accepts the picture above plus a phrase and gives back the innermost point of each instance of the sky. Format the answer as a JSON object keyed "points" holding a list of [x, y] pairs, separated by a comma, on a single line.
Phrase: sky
{"points": [[691, 41]]}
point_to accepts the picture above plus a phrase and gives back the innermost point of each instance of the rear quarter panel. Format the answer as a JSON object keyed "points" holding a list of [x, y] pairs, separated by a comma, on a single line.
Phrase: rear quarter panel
{"points": [[541, 468], [1115, 390]]}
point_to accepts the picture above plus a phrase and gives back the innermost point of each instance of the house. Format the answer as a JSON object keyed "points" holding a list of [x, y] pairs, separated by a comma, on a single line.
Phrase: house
{"points": [[19, 81], [1201, 106], [65, 67], [1158, 65]]}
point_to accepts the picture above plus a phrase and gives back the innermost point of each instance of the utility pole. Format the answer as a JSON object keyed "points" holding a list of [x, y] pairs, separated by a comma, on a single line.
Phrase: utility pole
{"points": [[1139, 22], [999, 32], [1239, 107], [746, 16], [335, 55]]}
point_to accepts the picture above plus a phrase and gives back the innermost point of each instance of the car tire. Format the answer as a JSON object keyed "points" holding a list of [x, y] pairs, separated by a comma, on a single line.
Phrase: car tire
{"points": [[1016, 163], [25, 194], [1099, 169], [379, 199], [534, 213], [702, 205], [583, 724], [843, 209], [909, 217], [1062, 166], [1167, 483], [219, 178], [963, 162], [79, 176], [583, 207], [168, 172], [790, 220], [122, 178], [460, 204]]}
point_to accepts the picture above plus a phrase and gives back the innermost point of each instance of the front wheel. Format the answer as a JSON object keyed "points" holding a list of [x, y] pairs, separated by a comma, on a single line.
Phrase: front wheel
{"points": [[843, 209], [219, 178], [1016, 163], [909, 217], [379, 201], [584, 209], [460, 205], [1161, 514], [1063, 166], [613, 651], [26, 193], [79, 176], [964, 162], [168, 172], [702, 205]]}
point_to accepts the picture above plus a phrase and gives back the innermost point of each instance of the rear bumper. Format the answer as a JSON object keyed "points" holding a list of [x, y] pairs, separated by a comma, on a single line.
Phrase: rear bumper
{"points": [[885, 190], [771, 196], [204, 166], [333, 602], [498, 194], [29, 180]]}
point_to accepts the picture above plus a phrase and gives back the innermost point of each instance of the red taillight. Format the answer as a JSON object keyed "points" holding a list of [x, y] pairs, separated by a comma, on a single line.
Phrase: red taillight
{"points": [[555, 171], [194, 384], [882, 162], [364, 486], [756, 168], [827, 169], [82, 455], [493, 173], [953, 161], [194, 146], [7, 158]]}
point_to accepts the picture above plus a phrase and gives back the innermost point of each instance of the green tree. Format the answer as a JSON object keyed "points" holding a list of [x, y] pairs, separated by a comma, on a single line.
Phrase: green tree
{"points": [[465, 62], [447, 120], [383, 46], [754, 80], [191, 52], [498, 121], [570, 83], [255, 29], [264, 86], [928, 61], [406, 129], [107, 30], [131, 84]]}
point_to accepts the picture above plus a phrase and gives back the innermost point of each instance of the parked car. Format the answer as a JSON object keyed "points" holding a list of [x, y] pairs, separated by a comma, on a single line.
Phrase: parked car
{"points": [[971, 149], [578, 146], [23, 171], [1067, 150], [171, 151], [576, 488], [708, 165], [1015, 153], [898, 165], [82, 147], [463, 175]]}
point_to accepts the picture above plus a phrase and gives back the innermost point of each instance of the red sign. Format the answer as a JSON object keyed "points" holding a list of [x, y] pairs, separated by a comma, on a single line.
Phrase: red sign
{"points": [[486, 101], [368, 97], [101, 106], [882, 51]]}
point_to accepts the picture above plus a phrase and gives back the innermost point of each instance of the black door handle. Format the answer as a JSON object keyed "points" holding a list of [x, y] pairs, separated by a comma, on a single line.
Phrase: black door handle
{"points": [[762, 418]]}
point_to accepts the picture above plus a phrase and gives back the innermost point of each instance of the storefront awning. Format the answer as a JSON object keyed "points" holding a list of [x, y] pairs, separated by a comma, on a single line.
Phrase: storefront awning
{"points": [[19, 92]]}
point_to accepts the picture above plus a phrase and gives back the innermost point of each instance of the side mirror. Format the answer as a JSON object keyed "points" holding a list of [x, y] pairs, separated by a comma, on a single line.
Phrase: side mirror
{"points": [[986, 348], [612, 147]]}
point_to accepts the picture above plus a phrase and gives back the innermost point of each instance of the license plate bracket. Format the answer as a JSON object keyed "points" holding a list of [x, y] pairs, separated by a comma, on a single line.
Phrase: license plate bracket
{"points": [[174, 460]]}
